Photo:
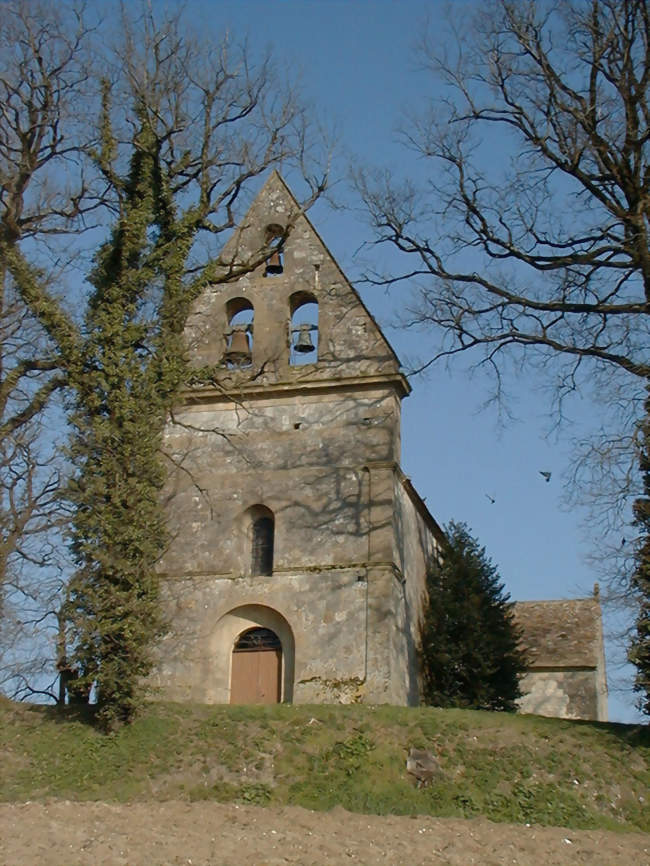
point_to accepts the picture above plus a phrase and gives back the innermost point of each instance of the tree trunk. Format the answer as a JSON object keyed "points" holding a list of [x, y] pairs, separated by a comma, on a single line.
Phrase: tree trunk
{"points": [[640, 650]]}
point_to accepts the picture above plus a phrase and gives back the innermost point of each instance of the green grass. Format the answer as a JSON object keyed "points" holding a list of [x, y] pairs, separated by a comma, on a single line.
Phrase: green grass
{"points": [[503, 767]]}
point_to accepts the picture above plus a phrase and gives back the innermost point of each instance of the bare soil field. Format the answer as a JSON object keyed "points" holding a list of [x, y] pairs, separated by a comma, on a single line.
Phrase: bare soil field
{"points": [[64, 833]]}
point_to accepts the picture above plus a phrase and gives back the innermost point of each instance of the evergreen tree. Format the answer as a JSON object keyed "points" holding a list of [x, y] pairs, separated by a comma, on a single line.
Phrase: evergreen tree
{"points": [[470, 641]]}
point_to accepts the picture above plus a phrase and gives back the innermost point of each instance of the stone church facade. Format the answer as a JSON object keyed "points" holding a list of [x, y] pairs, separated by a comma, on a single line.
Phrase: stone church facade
{"points": [[296, 568]]}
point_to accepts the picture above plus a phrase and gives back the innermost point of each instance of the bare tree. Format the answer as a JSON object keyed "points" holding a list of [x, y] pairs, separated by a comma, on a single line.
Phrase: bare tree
{"points": [[42, 200], [43, 191], [31, 564], [530, 238]]}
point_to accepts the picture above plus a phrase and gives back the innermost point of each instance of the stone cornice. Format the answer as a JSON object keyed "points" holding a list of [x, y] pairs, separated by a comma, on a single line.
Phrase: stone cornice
{"points": [[257, 390]]}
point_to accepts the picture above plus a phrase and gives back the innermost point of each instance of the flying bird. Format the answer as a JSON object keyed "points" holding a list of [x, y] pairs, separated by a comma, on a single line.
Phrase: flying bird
{"points": [[546, 475], [492, 501]]}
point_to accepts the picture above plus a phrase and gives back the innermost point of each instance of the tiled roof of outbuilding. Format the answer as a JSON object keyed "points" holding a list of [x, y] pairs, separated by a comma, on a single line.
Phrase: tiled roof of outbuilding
{"points": [[561, 634]]}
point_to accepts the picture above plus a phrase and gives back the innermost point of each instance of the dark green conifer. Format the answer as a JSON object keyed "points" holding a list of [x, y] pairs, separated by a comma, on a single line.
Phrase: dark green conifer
{"points": [[471, 655]]}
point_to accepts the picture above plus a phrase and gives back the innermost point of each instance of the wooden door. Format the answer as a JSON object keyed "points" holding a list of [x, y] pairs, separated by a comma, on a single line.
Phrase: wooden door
{"points": [[255, 676]]}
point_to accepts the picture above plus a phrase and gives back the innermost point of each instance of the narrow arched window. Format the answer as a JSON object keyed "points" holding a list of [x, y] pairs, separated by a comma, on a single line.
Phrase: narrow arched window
{"points": [[263, 530], [303, 346], [239, 333], [275, 262]]}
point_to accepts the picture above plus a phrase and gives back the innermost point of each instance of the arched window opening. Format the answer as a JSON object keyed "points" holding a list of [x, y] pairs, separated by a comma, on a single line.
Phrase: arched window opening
{"points": [[275, 262], [303, 347], [262, 554], [239, 333], [262, 541]]}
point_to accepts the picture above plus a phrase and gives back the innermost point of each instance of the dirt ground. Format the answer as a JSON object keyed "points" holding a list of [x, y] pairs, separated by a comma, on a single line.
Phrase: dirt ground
{"points": [[61, 833]]}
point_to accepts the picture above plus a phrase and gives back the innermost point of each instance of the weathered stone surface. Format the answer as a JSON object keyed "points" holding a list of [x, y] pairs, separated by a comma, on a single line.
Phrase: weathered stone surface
{"points": [[318, 444], [315, 447]]}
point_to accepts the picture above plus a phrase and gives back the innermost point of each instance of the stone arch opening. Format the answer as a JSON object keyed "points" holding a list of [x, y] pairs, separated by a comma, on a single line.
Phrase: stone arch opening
{"points": [[233, 628], [274, 236], [263, 531], [258, 539], [240, 316], [303, 328]]}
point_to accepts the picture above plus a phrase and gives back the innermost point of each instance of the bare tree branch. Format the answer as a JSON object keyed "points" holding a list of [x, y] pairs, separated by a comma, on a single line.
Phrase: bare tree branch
{"points": [[531, 234]]}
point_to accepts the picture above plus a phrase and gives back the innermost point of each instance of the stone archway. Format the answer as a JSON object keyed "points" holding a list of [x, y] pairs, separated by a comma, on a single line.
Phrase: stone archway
{"points": [[230, 629]]}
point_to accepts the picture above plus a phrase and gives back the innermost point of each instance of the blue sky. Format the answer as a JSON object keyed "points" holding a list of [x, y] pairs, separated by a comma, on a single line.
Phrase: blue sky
{"points": [[358, 67]]}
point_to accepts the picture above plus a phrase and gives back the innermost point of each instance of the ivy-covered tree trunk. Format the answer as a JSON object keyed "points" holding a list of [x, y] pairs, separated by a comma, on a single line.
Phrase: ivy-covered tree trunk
{"points": [[118, 536], [640, 649], [133, 365], [118, 529]]}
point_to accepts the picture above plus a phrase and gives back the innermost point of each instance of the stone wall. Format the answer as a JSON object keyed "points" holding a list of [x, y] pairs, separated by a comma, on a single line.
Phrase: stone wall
{"points": [[320, 620], [314, 443], [301, 456], [317, 445], [417, 541], [564, 694], [330, 540]]}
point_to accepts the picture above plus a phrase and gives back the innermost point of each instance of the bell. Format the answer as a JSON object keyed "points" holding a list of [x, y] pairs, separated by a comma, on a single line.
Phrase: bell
{"points": [[274, 264], [239, 351], [303, 342]]}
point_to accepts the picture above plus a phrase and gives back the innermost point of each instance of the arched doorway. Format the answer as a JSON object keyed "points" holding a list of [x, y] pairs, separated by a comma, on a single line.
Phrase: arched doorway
{"points": [[256, 671], [232, 625]]}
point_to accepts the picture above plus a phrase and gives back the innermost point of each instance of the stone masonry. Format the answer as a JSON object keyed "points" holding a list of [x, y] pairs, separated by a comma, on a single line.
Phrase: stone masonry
{"points": [[291, 521]]}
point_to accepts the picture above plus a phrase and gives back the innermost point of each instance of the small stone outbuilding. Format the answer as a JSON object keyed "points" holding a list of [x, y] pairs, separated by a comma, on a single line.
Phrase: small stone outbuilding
{"points": [[564, 643], [296, 569]]}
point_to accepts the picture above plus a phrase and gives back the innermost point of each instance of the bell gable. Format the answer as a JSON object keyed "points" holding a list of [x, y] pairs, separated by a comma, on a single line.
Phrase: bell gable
{"points": [[285, 311]]}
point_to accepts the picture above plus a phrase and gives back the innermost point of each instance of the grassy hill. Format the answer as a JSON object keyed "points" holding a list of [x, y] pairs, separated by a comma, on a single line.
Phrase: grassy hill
{"points": [[504, 767]]}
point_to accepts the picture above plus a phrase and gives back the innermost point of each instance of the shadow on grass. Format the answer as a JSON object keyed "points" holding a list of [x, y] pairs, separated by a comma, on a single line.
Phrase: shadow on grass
{"points": [[84, 714], [635, 735]]}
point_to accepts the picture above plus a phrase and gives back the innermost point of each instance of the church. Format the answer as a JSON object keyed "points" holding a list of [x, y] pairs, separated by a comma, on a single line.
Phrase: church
{"points": [[298, 554]]}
